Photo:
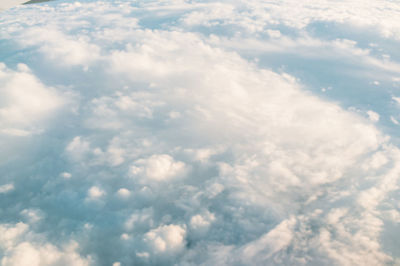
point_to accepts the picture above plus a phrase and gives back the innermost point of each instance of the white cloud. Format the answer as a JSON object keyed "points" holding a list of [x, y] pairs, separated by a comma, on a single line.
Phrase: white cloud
{"points": [[200, 223], [396, 99], [212, 157], [125, 237], [376, 161], [66, 175], [373, 116], [59, 47], [160, 167], [78, 148], [394, 120], [168, 239], [6, 188], [123, 193], [270, 243], [21, 247], [25, 101], [96, 193], [255, 16]]}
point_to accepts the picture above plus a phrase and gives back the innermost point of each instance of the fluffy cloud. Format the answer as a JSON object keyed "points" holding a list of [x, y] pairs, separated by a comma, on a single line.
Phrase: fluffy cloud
{"points": [[187, 141], [95, 193], [200, 223], [159, 167], [20, 247], [166, 239], [25, 101], [57, 46], [123, 193]]}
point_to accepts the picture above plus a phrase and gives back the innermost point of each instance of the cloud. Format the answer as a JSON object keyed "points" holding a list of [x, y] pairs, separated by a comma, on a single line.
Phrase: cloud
{"points": [[123, 193], [6, 188], [95, 193], [166, 239], [25, 101], [32, 215], [373, 116], [78, 148], [255, 16], [140, 218], [20, 247], [200, 223], [57, 46], [179, 146], [66, 175], [272, 242], [160, 167]]}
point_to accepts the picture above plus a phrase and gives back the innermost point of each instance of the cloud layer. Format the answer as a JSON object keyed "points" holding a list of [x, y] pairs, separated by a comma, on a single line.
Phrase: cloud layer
{"points": [[160, 133]]}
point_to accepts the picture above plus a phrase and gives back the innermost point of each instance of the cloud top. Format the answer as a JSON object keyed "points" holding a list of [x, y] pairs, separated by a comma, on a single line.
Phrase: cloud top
{"points": [[199, 133]]}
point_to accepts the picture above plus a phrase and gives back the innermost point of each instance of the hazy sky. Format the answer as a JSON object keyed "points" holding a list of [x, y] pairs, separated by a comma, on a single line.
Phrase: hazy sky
{"points": [[200, 133]]}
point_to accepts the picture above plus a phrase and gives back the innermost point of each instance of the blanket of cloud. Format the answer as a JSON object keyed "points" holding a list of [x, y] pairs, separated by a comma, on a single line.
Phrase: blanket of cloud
{"points": [[178, 132]]}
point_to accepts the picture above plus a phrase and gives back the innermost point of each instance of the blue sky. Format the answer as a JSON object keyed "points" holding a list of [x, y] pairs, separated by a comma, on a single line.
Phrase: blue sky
{"points": [[200, 133]]}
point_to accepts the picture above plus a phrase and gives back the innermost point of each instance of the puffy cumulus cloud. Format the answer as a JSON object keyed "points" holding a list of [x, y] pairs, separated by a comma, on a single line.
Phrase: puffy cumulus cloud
{"points": [[25, 101], [167, 239], [95, 193], [224, 108], [20, 246], [159, 167], [185, 148], [200, 223], [123, 193], [276, 140]]}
